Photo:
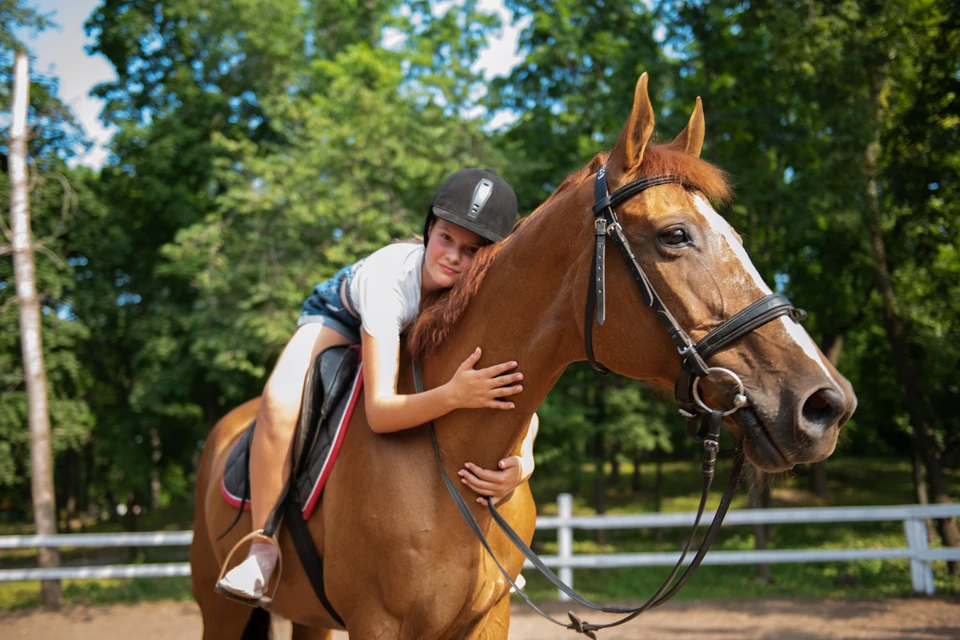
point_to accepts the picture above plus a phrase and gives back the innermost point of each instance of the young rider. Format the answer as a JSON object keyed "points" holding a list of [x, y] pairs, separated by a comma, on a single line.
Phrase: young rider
{"points": [[371, 302]]}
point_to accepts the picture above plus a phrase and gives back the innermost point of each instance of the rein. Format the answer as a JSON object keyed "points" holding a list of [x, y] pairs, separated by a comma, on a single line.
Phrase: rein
{"points": [[576, 624], [703, 422]]}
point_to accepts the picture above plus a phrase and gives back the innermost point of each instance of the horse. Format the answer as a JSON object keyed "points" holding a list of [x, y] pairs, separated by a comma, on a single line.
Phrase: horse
{"points": [[399, 562]]}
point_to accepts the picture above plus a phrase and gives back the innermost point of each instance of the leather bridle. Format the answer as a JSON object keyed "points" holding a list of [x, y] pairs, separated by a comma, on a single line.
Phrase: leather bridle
{"points": [[692, 408], [694, 355]]}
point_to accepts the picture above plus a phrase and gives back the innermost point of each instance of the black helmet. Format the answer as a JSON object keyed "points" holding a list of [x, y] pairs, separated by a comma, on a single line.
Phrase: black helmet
{"points": [[478, 200]]}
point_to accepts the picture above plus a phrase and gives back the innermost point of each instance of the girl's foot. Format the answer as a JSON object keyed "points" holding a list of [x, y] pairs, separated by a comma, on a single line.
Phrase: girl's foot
{"points": [[248, 579]]}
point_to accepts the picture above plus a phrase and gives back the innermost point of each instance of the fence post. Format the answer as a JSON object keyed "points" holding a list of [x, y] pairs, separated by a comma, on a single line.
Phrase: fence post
{"points": [[921, 573], [565, 541]]}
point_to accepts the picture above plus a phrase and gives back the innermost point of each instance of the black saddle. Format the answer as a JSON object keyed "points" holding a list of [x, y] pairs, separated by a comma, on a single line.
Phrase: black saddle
{"points": [[331, 389]]}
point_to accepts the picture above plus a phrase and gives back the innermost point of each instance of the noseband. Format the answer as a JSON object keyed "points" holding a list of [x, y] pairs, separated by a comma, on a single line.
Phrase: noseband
{"points": [[692, 408]]}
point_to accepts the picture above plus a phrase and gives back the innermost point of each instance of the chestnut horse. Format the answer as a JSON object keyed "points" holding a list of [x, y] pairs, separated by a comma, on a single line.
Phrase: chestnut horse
{"points": [[399, 560]]}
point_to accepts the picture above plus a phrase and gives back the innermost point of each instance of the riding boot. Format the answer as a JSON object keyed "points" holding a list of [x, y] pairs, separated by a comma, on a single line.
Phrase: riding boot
{"points": [[250, 577]]}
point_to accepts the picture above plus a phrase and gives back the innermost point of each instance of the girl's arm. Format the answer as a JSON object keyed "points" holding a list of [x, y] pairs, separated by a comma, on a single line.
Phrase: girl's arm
{"points": [[388, 411], [513, 471]]}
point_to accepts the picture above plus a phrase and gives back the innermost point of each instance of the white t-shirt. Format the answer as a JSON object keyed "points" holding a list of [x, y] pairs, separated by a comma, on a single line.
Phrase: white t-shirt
{"points": [[385, 291]]}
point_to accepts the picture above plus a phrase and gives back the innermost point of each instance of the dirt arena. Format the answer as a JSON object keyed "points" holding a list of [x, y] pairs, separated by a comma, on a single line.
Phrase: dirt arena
{"points": [[804, 619]]}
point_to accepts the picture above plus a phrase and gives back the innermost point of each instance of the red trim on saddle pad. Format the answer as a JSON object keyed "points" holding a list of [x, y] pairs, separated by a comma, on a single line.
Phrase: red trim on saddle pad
{"points": [[233, 500], [339, 434]]}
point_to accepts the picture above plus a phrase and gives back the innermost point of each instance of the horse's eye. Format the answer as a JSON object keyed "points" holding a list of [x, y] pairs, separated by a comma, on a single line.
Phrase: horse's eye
{"points": [[676, 237]]}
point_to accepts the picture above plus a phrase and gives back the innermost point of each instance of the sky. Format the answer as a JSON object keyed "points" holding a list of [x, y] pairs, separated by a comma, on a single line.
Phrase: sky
{"points": [[61, 53]]}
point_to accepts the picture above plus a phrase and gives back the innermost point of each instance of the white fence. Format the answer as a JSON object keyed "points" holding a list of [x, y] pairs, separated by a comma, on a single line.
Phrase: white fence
{"points": [[917, 550]]}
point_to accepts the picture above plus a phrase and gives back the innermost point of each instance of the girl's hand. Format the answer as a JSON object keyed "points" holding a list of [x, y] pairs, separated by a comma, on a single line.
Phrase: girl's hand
{"points": [[471, 388], [498, 484]]}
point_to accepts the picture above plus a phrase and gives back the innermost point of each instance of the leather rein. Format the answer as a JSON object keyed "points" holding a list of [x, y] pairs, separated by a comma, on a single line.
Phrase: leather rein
{"points": [[691, 406]]}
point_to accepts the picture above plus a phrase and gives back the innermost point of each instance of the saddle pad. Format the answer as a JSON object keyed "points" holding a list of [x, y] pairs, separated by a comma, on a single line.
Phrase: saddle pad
{"points": [[331, 391]]}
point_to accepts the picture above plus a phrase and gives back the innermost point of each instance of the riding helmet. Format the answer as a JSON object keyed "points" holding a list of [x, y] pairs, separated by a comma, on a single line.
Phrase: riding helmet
{"points": [[478, 200]]}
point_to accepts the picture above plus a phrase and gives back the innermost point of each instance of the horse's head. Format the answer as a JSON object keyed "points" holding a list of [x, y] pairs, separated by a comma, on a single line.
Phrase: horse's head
{"points": [[696, 263]]}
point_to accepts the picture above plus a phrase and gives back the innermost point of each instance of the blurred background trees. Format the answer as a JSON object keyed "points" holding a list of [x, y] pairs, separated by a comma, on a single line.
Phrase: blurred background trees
{"points": [[261, 145]]}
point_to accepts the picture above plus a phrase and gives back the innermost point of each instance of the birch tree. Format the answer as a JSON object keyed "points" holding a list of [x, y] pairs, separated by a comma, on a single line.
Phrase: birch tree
{"points": [[44, 500]]}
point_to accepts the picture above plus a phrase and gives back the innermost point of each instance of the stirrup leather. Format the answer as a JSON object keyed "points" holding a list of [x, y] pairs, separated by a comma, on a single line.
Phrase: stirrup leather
{"points": [[264, 601]]}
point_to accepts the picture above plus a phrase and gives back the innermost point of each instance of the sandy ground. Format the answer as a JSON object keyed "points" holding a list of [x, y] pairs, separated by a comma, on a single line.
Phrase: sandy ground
{"points": [[807, 619]]}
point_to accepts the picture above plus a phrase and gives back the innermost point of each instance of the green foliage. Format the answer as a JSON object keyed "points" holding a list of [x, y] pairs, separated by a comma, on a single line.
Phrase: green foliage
{"points": [[262, 145], [573, 90], [57, 205], [584, 403], [16, 15]]}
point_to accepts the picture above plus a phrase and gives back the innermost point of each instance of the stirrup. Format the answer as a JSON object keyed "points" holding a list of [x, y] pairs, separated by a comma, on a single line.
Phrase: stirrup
{"points": [[263, 601]]}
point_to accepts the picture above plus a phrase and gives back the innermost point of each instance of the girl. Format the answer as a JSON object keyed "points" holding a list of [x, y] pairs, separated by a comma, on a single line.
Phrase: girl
{"points": [[371, 302]]}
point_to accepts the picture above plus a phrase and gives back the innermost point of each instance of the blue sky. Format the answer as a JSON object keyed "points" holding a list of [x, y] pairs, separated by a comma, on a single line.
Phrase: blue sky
{"points": [[61, 53]]}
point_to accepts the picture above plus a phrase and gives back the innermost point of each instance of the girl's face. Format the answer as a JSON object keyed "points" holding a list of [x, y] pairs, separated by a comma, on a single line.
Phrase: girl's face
{"points": [[450, 250]]}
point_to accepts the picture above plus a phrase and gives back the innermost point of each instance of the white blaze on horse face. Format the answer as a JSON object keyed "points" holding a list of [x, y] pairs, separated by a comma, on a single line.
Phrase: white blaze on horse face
{"points": [[723, 229]]}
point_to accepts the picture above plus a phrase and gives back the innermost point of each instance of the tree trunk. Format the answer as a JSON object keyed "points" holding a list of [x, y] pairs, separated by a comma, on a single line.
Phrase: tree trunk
{"points": [[759, 499], [702, 34], [599, 453], [658, 489], [72, 472], [897, 335], [818, 479], [615, 464], [636, 479], [155, 455], [920, 490], [599, 477], [600, 481], [41, 458], [835, 348], [83, 490], [658, 492]]}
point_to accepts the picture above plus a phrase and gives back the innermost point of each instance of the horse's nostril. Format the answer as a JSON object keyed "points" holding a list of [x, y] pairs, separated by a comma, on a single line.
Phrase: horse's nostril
{"points": [[823, 407], [817, 401]]}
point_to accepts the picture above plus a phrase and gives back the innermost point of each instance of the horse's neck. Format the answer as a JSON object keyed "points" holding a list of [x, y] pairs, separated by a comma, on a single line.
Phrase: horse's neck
{"points": [[523, 311]]}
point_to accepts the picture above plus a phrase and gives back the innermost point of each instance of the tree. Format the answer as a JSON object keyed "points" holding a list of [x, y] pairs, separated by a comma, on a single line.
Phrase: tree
{"points": [[43, 389], [260, 147], [875, 56], [44, 501]]}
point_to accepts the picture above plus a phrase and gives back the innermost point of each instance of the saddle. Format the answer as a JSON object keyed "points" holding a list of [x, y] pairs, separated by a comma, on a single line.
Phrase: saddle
{"points": [[330, 393]]}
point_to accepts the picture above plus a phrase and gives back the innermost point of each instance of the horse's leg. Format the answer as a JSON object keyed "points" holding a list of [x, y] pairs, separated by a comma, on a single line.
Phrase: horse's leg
{"points": [[301, 632], [494, 625]]}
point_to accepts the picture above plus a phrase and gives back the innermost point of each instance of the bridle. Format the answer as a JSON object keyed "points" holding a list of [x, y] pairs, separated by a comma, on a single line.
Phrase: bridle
{"points": [[692, 408], [694, 355]]}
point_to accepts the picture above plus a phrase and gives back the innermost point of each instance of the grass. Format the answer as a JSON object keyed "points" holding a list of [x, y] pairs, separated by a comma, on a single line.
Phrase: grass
{"points": [[25, 595], [851, 482]]}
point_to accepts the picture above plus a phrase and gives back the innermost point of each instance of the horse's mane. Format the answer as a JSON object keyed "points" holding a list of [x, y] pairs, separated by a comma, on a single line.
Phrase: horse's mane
{"points": [[440, 313]]}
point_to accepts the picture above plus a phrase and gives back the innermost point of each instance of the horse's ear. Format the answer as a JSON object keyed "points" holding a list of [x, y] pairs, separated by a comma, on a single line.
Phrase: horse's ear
{"points": [[690, 139], [628, 152]]}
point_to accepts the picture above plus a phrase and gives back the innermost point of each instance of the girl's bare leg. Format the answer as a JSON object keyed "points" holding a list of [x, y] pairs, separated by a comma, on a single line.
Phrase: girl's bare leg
{"points": [[271, 448]]}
